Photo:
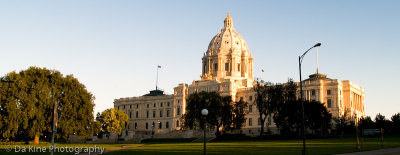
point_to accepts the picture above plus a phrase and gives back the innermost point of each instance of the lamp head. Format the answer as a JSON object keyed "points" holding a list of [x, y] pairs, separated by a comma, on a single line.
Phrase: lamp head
{"points": [[317, 45], [204, 112]]}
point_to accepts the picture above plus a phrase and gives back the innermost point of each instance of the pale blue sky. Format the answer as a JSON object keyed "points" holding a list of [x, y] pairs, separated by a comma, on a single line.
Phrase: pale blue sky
{"points": [[113, 47]]}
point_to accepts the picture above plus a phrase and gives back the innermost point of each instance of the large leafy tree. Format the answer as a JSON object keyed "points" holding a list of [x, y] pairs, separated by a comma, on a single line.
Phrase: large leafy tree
{"points": [[288, 119], [239, 113], [396, 123], [221, 111], [382, 122], [344, 124], [366, 123], [269, 98], [261, 101], [27, 100], [318, 119], [113, 120]]}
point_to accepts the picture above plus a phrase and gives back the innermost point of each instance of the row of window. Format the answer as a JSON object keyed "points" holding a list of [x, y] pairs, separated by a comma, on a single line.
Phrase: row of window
{"points": [[148, 105], [160, 125], [328, 92], [178, 112], [161, 113], [226, 67], [250, 98]]}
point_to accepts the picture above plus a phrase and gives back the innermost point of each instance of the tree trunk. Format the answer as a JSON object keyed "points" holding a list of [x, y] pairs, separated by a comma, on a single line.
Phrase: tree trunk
{"points": [[218, 133], [36, 140], [262, 125]]}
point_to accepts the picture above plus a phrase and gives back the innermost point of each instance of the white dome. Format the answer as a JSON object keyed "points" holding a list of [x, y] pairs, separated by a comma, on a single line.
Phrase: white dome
{"points": [[228, 40]]}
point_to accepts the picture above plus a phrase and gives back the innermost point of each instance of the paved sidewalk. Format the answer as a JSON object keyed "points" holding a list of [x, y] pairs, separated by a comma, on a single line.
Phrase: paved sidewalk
{"points": [[389, 151]]}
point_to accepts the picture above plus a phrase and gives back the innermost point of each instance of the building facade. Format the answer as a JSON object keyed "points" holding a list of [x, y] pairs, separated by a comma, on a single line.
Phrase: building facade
{"points": [[338, 96], [227, 68]]}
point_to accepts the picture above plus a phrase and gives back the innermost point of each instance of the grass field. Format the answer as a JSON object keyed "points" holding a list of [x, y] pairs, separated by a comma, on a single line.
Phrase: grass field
{"points": [[314, 146]]}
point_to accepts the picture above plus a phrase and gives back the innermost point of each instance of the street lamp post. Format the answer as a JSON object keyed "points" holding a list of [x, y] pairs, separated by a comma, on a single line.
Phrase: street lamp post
{"points": [[301, 98], [55, 117], [204, 112]]}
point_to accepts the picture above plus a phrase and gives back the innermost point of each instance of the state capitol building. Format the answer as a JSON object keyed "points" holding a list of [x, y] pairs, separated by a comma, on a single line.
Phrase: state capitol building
{"points": [[227, 68]]}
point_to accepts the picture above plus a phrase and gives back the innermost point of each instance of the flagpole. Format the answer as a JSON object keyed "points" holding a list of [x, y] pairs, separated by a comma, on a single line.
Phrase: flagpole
{"points": [[157, 78], [158, 67]]}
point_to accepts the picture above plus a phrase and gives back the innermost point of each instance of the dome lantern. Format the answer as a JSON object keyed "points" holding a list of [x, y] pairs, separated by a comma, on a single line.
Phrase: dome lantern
{"points": [[228, 22]]}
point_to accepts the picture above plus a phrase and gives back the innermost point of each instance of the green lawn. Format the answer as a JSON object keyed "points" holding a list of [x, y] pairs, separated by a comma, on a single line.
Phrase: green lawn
{"points": [[314, 146]]}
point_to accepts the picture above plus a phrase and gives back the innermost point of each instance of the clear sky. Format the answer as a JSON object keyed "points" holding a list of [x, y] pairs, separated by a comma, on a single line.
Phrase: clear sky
{"points": [[114, 47]]}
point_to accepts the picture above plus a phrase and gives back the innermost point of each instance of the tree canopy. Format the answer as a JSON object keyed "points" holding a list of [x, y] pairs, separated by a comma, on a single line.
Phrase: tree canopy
{"points": [[113, 120], [270, 98], [221, 111], [27, 99]]}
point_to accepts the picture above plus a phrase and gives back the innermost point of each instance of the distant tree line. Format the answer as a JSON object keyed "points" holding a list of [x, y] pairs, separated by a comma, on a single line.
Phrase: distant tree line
{"points": [[346, 124]]}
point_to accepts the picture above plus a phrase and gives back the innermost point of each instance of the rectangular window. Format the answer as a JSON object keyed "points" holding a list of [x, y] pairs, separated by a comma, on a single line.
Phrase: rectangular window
{"points": [[160, 125], [329, 103], [160, 113], [178, 111], [238, 67], [147, 125], [161, 104], [328, 92], [168, 104], [168, 113], [137, 106], [154, 105], [148, 106], [167, 125], [154, 114], [250, 108], [130, 106], [226, 66], [137, 114], [130, 114], [250, 98], [215, 66], [313, 92], [147, 114], [250, 122]]}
